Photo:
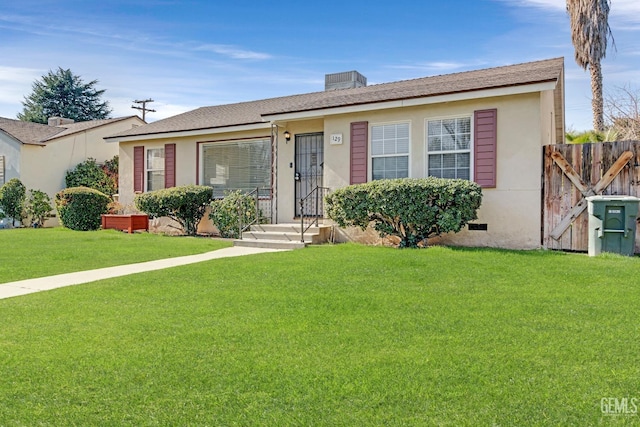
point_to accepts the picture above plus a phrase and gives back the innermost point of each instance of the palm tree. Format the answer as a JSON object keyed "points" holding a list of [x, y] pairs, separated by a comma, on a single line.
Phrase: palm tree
{"points": [[589, 33], [590, 136]]}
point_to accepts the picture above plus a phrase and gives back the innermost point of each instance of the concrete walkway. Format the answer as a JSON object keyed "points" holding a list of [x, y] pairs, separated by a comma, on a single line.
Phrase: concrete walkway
{"points": [[23, 287]]}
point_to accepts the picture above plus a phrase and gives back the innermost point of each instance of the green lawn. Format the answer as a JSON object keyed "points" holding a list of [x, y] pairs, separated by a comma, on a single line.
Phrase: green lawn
{"points": [[27, 253], [334, 335]]}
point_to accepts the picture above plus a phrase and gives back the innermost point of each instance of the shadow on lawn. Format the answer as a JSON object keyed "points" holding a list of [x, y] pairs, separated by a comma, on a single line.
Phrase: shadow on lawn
{"points": [[533, 253], [537, 253]]}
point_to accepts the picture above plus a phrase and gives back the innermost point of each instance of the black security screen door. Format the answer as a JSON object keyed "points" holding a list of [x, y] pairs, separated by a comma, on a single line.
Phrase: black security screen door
{"points": [[309, 164]]}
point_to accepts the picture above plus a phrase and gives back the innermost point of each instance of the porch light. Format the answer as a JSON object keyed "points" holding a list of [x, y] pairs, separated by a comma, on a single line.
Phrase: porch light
{"points": [[287, 135]]}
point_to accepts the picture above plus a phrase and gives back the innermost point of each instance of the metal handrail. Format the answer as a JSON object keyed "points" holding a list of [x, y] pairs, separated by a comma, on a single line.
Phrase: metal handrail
{"points": [[256, 220], [319, 199]]}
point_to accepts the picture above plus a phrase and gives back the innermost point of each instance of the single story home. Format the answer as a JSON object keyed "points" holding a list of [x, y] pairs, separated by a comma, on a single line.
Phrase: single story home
{"points": [[486, 125], [40, 155]]}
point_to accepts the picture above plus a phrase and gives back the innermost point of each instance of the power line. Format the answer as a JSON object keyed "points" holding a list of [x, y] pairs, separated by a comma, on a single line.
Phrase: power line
{"points": [[144, 108]]}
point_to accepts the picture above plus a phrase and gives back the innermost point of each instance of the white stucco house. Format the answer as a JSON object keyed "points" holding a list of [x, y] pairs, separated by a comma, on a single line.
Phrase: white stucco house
{"points": [[485, 125], [40, 155]]}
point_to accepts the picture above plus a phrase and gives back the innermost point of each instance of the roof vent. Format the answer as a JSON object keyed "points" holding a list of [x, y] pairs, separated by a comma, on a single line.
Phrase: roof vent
{"points": [[58, 121], [345, 80]]}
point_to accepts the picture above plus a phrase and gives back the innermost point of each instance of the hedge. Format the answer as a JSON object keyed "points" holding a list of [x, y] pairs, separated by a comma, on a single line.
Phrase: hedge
{"points": [[80, 208], [411, 209], [186, 205], [90, 174], [225, 213]]}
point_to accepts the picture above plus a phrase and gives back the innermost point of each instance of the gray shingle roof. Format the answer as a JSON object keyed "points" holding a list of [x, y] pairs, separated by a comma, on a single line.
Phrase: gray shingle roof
{"points": [[27, 132], [71, 128], [39, 134], [468, 81], [246, 113]]}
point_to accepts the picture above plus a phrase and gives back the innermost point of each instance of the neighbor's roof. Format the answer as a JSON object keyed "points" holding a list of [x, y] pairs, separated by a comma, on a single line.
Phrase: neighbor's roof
{"points": [[246, 113], [27, 132], [39, 134], [77, 127]]}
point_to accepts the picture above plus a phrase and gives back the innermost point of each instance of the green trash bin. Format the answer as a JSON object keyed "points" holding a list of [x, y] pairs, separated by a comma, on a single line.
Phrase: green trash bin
{"points": [[612, 224]]}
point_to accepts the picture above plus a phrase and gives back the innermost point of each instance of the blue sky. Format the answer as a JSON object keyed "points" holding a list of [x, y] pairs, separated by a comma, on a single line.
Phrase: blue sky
{"points": [[188, 54]]}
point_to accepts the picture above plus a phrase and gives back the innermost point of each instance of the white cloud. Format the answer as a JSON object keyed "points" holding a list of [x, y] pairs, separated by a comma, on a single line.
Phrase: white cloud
{"points": [[439, 66], [233, 52], [625, 14], [122, 108], [19, 75], [544, 4], [626, 11], [15, 84]]}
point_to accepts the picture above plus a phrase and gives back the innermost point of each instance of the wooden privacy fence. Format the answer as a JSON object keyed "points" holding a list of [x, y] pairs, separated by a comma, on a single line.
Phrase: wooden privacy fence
{"points": [[575, 171]]}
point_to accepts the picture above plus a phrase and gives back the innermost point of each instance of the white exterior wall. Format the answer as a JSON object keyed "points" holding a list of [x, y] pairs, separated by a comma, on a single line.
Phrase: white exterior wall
{"points": [[512, 210], [11, 150], [187, 154], [547, 118], [44, 167]]}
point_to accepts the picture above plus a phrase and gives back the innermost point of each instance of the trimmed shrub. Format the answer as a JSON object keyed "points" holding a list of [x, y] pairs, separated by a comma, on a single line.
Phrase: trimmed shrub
{"points": [[225, 213], [90, 174], [79, 208], [186, 205], [38, 207], [12, 197], [411, 209]]}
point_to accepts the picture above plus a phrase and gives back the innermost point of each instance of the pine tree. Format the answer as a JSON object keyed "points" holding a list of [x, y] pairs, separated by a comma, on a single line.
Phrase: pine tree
{"points": [[63, 94]]}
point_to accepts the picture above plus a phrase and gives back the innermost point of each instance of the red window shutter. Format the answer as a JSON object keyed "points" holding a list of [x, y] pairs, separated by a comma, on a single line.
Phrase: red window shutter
{"points": [[359, 141], [485, 147], [169, 165], [138, 169]]}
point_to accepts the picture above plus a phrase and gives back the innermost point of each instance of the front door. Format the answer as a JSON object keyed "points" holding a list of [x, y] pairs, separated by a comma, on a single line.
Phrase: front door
{"points": [[309, 163]]}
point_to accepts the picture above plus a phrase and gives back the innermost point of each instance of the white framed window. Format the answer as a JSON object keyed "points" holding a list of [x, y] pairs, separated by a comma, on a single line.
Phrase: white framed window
{"points": [[449, 147], [390, 151], [155, 169], [236, 165]]}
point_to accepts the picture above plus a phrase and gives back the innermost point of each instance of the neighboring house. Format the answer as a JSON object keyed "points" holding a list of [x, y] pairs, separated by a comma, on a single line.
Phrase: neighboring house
{"points": [[488, 126], [40, 155]]}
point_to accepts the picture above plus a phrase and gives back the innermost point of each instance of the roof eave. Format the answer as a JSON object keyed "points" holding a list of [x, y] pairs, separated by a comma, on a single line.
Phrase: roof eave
{"points": [[21, 142], [189, 132], [64, 135]]}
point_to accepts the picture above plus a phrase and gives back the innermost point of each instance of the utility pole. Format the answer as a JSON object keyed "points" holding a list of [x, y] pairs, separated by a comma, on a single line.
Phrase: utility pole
{"points": [[144, 108]]}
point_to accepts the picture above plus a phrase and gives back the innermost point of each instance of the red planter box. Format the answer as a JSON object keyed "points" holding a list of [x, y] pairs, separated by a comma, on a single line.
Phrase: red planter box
{"points": [[126, 222]]}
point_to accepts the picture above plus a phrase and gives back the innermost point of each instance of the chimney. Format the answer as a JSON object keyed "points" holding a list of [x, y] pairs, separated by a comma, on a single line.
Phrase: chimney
{"points": [[345, 80], [58, 121]]}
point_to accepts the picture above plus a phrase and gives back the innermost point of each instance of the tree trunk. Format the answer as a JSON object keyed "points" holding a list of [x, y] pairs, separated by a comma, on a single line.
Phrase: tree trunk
{"points": [[596, 92]]}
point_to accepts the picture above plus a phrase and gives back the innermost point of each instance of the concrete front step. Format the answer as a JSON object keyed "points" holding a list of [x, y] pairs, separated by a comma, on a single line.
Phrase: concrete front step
{"points": [[284, 228], [273, 235], [281, 236], [271, 244]]}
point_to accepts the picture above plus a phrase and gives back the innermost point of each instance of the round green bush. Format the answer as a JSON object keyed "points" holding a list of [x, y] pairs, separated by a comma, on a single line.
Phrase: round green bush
{"points": [[80, 208], [410, 209], [226, 213], [185, 204]]}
